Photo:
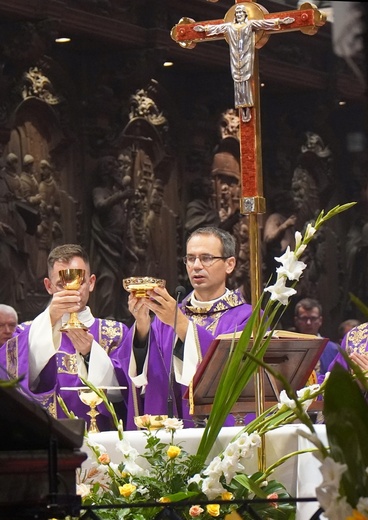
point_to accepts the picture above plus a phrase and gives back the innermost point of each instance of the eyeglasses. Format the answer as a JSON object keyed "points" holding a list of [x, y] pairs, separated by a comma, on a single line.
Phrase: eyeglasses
{"points": [[308, 318], [205, 259]]}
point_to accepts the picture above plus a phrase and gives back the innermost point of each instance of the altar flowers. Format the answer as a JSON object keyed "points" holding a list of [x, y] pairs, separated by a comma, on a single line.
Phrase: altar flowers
{"points": [[166, 481], [166, 478]]}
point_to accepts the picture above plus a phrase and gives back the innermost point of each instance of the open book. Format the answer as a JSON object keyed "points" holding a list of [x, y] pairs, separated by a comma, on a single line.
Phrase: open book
{"points": [[292, 354]]}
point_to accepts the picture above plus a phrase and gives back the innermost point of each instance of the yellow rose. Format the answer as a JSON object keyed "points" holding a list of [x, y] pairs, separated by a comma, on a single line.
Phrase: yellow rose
{"points": [[164, 500], [173, 452], [127, 490], [227, 495], [213, 509], [124, 474], [104, 458]]}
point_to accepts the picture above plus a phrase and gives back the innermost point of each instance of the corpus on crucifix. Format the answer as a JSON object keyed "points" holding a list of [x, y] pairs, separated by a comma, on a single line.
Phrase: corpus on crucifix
{"points": [[239, 35]]}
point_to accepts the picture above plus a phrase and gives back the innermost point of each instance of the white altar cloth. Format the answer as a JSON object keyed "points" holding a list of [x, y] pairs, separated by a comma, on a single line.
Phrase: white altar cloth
{"points": [[300, 475]]}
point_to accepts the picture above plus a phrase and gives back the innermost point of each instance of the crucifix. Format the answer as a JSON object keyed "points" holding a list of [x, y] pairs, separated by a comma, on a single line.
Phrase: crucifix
{"points": [[246, 27]]}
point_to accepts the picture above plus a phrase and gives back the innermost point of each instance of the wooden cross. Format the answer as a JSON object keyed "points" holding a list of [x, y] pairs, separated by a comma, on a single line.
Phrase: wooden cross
{"points": [[307, 19]]}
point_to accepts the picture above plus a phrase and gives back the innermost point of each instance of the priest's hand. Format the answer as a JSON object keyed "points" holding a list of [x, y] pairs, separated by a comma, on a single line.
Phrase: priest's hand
{"points": [[65, 301], [141, 314], [163, 305], [81, 339], [361, 360]]}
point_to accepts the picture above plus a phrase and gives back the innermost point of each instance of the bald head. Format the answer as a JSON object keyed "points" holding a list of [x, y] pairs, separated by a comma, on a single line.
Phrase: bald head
{"points": [[8, 322]]}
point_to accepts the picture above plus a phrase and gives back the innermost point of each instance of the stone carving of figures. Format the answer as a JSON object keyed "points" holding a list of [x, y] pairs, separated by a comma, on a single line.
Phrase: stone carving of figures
{"points": [[226, 174], [29, 183], [125, 164], [230, 124], [142, 105], [313, 189], [109, 237], [356, 250], [154, 229], [240, 36], [138, 234], [49, 231], [12, 233], [200, 211], [30, 191]]}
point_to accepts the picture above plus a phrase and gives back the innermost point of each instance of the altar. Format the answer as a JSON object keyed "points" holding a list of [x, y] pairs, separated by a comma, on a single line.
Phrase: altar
{"points": [[300, 474]]}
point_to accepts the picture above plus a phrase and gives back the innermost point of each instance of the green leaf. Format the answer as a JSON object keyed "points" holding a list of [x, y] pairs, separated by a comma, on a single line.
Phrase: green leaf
{"points": [[346, 418], [249, 484]]}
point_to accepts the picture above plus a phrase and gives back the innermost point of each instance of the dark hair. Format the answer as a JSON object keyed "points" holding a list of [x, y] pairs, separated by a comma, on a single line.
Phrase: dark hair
{"points": [[65, 253], [227, 241], [308, 304], [347, 325]]}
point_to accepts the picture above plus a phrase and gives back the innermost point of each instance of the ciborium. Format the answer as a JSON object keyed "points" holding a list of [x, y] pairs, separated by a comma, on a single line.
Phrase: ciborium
{"points": [[139, 285], [72, 279]]}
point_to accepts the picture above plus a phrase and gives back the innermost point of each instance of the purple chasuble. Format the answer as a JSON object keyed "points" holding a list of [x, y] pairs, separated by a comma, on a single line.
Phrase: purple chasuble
{"points": [[355, 340], [61, 370], [226, 315]]}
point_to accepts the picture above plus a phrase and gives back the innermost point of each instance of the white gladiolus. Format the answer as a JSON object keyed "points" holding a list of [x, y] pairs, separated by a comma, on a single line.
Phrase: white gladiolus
{"points": [[284, 400], [280, 292], [212, 488], [291, 267], [309, 232], [331, 472]]}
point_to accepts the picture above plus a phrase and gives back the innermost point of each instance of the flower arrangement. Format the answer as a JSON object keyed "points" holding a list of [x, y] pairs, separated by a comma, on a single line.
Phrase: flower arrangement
{"points": [[142, 485], [165, 474]]}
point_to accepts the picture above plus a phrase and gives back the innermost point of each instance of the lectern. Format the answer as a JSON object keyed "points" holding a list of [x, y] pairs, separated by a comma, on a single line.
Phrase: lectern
{"points": [[39, 456], [291, 354]]}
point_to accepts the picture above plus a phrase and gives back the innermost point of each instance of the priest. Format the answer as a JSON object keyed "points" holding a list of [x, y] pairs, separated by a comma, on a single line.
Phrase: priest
{"points": [[157, 351], [52, 362]]}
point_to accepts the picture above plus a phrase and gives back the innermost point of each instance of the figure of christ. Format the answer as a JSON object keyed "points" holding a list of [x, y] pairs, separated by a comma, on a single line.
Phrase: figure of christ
{"points": [[240, 35]]}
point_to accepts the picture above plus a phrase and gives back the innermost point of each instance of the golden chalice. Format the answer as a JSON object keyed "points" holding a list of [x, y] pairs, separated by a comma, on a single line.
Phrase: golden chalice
{"points": [[91, 399], [71, 280], [139, 285]]}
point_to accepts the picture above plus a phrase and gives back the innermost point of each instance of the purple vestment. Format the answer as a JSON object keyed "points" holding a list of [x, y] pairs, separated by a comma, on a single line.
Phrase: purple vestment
{"points": [[61, 370], [225, 315], [355, 340]]}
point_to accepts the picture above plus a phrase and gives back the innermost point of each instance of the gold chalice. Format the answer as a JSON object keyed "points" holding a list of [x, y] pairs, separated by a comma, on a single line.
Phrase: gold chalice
{"points": [[139, 285], [72, 279], [91, 399]]}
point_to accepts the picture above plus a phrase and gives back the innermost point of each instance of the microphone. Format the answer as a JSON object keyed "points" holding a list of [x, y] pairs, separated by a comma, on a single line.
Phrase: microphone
{"points": [[179, 291]]}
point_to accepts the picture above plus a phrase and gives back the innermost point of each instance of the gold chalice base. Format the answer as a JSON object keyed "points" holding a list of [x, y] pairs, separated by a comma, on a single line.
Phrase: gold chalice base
{"points": [[72, 325], [139, 285]]}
